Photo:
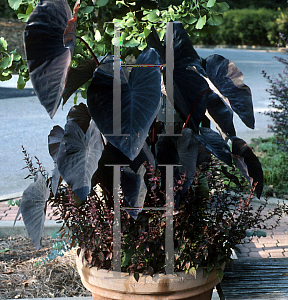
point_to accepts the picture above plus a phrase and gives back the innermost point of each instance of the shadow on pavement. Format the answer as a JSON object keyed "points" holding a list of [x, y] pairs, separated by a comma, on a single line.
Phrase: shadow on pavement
{"points": [[6, 93]]}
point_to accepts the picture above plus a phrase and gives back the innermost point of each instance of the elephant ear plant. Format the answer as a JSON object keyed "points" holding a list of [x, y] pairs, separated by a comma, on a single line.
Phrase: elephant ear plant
{"points": [[82, 185]]}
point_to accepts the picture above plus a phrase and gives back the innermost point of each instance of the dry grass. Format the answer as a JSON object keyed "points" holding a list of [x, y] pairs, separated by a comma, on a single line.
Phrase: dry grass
{"points": [[22, 277]]}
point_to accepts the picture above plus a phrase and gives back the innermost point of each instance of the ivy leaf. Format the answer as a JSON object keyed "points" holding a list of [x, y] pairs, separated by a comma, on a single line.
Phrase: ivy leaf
{"points": [[6, 62], [201, 22], [220, 7], [23, 17], [215, 20], [21, 82], [101, 2], [211, 3], [189, 19], [33, 208], [132, 43], [14, 4], [87, 9], [78, 157], [3, 44]]}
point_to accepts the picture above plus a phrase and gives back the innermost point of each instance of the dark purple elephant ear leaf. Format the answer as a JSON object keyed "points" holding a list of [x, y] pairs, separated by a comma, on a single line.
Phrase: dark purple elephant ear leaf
{"points": [[229, 80], [220, 114], [78, 157], [47, 57], [77, 77], [190, 94], [215, 144], [140, 102], [33, 208], [54, 139], [80, 114], [240, 148], [134, 189]]}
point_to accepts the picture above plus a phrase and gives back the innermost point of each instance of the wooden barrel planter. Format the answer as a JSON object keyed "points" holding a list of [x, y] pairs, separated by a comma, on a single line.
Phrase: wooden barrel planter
{"points": [[106, 285]]}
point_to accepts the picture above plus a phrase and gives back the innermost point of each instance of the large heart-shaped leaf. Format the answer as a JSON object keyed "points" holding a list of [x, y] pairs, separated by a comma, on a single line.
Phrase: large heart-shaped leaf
{"points": [[215, 144], [240, 147], [221, 114], [49, 42], [33, 208], [189, 94], [229, 80], [140, 101], [134, 189], [78, 157]]}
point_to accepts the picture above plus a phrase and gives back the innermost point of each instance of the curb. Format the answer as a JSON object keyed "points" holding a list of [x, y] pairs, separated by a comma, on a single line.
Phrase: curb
{"points": [[243, 47], [214, 297], [7, 228], [64, 298], [12, 196]]}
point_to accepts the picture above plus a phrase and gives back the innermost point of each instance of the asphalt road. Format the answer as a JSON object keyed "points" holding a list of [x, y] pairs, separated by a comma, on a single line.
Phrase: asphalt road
{"points": [[25, 122]]}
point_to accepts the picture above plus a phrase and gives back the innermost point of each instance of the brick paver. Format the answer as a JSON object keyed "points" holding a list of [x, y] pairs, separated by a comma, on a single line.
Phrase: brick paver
{"points": [[274, 245], [9, 213]]}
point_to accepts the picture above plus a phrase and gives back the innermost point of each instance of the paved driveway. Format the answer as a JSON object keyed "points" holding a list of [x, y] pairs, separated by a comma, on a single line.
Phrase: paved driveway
{"points": [[25, 122]]}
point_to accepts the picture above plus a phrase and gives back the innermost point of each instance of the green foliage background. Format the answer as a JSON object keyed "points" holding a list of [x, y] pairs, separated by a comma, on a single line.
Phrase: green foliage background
{"points": [[258, 27], [135, 18]]}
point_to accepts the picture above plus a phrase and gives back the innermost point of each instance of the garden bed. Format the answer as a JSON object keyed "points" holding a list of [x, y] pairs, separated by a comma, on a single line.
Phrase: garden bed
{"points": [[23, 276]]}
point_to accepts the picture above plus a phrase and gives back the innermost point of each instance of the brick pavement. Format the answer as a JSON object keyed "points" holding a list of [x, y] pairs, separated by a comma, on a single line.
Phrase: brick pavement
{"points": [[8, 213], [274, 245]]}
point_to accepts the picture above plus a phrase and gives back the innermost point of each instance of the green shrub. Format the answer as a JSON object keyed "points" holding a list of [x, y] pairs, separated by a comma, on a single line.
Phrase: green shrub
{"points": [[256, 4], [259, 27], [274, 163]]}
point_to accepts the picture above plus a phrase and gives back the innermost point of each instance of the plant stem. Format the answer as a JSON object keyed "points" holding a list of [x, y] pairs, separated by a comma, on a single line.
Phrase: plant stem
{"points": [[89, 49]]}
